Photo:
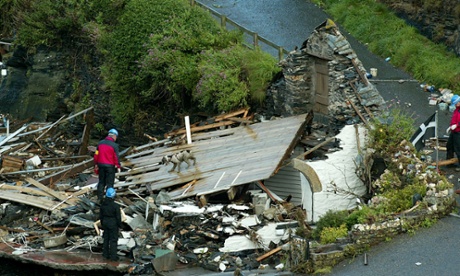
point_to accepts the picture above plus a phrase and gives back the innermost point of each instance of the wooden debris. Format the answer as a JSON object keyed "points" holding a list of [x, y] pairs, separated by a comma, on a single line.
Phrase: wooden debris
{"points": [[11, 164], [268, 254]]}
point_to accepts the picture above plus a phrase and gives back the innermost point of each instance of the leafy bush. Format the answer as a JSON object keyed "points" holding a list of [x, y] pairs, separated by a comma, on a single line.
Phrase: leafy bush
{"points": [[402, 199], [387, 132], [330, 219], [168, 53], [331, 234], [361, 216], [52, 23]]}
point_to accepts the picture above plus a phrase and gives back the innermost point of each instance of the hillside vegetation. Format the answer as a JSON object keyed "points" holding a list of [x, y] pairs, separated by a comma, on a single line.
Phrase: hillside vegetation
{"points": [[389, 36], [157, 59], [153, 61]]}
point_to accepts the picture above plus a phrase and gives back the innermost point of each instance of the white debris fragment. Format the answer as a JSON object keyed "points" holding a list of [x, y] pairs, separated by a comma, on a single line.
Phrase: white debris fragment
{"points": [[200, 250]]}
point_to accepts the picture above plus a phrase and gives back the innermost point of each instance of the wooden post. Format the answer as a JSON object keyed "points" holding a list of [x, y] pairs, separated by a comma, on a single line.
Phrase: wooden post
{"points": [[89, 119], [223, 21], [280, 53], [256, 39]]}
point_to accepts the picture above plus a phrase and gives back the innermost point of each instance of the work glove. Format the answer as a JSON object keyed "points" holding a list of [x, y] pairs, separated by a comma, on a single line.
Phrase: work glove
{"points": [[453, 127], [448, 130], [118, 170]]}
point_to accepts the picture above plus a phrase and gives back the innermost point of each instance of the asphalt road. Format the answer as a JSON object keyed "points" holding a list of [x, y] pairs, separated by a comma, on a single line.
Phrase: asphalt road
{"points": [[430, 251]]}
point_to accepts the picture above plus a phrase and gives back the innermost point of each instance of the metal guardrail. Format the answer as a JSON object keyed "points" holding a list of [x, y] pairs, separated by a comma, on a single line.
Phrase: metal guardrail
{"points": [[229, 24]]}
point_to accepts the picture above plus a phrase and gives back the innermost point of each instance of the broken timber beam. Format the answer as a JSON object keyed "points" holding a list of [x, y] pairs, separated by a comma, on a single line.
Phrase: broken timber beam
{"points": [[358, 112], [446, 162], [219, 119], [26, 190], [11, 136], [315, 147], [200, 128], [268, 254], [40, 202], [49, 128], [360, 99], [69, 171], [232, 114], [89, 123], [50, 191]]}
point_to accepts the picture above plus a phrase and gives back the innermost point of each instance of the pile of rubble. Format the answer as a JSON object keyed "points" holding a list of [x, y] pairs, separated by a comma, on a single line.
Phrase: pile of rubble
{"points": [[48, 202]]}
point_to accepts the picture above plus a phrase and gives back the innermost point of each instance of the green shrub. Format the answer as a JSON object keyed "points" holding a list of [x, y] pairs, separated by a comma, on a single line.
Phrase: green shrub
{"points": [[389, 130], [52, 23], [361, 216], [330, 219], [331, 234], [402, 199], [167, 53]]}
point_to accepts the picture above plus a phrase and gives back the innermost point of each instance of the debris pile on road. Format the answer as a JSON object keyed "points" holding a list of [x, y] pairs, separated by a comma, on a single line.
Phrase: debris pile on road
{"points": [[48, 202]]}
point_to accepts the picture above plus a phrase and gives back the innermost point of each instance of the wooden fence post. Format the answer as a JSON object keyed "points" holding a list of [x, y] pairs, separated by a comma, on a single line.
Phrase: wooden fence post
{"points": [[223, 21], [280, 53], [256, 39]]}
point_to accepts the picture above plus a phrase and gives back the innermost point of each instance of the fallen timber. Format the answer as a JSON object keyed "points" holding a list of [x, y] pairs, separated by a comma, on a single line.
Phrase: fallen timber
{"points": [[55, 197]]}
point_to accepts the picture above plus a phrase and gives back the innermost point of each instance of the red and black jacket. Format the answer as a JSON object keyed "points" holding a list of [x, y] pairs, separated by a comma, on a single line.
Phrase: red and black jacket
{"points": [[107, 153]]}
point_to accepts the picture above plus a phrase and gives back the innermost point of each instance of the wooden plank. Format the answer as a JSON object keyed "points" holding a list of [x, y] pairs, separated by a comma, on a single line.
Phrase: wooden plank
{"points": [[231, 114], [89, 119], [232, 192], [39, 202], [201, 128], [46, 189], [47, 130], [60, 122], [358, 112], [24, 190], [446, 162], [268, 254], [13, 135], [68, 171]]}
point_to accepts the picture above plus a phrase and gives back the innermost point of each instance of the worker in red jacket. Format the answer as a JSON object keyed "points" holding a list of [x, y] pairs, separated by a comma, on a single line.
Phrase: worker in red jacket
{"points": [[454, 127], [106, 162]]}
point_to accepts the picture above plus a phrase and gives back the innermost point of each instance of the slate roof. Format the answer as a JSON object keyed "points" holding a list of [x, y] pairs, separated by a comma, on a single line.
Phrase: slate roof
{"points": [[225, 158]]}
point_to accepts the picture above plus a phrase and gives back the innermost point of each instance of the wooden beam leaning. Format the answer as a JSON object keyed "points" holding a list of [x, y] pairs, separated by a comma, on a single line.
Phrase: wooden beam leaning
{"points": [[50, 191], [358, 112], [89, 123], [268, 254], [359, 98], [52, 178]]}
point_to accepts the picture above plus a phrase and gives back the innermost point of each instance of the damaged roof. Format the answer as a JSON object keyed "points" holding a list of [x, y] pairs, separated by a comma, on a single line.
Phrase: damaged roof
{"points": [[224, 158]]}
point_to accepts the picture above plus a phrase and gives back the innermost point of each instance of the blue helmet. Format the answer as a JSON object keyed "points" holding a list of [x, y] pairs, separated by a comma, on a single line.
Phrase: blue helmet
{"points": [[113, 131], [110, 193], [454, 100]]}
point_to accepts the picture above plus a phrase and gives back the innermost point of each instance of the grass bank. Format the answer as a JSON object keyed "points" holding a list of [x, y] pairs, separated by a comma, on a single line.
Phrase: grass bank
{"points": [[389, 36]]}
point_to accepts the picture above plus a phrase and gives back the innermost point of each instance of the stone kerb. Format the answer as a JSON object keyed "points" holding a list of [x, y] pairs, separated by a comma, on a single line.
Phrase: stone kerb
{"points": [[363, 236]]}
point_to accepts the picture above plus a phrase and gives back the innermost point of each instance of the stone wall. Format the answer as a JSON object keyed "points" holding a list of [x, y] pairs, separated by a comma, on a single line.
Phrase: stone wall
{"points": [[294, 92], [363, 236]]}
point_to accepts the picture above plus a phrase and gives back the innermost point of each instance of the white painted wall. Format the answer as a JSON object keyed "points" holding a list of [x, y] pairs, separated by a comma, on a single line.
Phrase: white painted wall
{"points": [[340, 169]]}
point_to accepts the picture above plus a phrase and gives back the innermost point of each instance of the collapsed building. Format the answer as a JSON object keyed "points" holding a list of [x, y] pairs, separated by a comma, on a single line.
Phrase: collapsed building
{"points": [[257, 178]]}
